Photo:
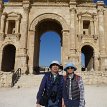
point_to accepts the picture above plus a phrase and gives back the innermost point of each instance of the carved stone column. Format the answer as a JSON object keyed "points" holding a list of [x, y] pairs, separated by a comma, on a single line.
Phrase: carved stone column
{"points": [[80, 28], [2, 32], [96, 62], [31, 50], [79, 23], [72, 30], [92, 27], [101, 31], [95, 25], [7, 27], [18, 24], [65, 50], [23, 49], [1, 10], [103, 56], [36, 50]]}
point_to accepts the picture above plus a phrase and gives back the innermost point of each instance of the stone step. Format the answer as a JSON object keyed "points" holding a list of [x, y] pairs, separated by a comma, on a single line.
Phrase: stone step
{"points": [[29, 81]]}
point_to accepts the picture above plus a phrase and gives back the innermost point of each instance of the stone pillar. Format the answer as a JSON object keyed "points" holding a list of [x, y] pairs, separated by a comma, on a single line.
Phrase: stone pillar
{"points": [[95, 25], [79, 25], [92, 27], [36, 49], [2, 32], [80, 28], [72, 30], [1, 59], [100, 6], [17, 24], [1, 10], [65, 49], [3, 22], [96, 62], [23, 49], [101, 30], [31, 50], [7, 27]]}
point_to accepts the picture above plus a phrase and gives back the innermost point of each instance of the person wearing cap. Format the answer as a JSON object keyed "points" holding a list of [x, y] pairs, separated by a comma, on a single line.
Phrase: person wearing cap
{"points": [[73, 88], [52, 82]]}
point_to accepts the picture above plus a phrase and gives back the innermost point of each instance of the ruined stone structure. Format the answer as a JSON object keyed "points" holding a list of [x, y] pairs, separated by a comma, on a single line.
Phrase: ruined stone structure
{"points": [[82, 26]]}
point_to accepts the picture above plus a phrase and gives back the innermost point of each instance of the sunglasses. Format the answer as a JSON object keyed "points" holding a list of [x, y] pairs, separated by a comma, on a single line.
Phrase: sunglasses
{"points": [[70, 68]]}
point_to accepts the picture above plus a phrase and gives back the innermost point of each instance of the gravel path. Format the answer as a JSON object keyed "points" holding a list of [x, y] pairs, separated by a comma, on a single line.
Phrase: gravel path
{"points": [[96, 96]]}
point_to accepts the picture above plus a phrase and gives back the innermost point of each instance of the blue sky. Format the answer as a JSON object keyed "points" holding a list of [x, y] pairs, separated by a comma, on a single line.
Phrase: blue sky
{"points": [[50, 47]]}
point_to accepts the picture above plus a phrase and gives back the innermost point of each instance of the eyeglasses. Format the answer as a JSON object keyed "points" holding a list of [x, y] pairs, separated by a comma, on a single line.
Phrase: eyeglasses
{"points": [[70, 68]]}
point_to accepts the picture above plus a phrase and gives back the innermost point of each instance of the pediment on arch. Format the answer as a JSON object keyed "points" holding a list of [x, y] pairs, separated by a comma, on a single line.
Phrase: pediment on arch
{"points": [[86, 14], [13, 14]]}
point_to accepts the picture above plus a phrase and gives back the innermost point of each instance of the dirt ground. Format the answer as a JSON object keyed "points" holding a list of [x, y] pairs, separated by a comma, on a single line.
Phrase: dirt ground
{"points": [[95, 96]]}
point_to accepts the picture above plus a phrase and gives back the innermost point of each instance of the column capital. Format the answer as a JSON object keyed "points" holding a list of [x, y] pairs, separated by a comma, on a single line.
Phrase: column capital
{"points": [[26, 5], [4, 15], [100, 11], [73, 10]]}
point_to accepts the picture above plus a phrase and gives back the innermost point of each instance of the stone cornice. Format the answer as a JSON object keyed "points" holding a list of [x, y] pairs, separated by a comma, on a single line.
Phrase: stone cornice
{"points": [[50, 4], [87, 5], [11, 4]]}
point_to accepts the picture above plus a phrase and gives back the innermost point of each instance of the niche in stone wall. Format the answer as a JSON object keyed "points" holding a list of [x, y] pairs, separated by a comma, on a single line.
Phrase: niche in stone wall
{"points": [[11, 27], [86, 27]]}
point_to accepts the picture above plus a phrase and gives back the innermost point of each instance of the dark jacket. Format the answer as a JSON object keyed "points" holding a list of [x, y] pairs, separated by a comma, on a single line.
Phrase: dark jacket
{"points": [[77, 91], [50, 85]]}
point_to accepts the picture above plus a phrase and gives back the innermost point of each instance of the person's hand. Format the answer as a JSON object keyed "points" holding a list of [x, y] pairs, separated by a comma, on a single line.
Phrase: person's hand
{"points": [[38, 105], [63, 105]]}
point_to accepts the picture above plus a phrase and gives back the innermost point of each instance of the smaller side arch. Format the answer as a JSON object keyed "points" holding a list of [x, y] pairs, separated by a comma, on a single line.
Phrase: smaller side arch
{"points": [[89, 44], [7, 43], [88, 56], [8, 58]]}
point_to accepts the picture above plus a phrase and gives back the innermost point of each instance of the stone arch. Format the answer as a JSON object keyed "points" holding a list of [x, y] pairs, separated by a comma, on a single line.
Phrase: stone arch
{"points": [[6, 43], [36, 30], [88, 50], [90, 44], [8, 57], [41, 17]]}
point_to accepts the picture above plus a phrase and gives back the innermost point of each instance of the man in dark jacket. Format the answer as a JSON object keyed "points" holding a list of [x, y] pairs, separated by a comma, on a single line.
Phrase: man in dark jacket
{"points": [[52, 82], [73, 89]]}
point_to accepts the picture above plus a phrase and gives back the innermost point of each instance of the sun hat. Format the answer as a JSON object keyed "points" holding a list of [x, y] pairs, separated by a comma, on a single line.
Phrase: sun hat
{"points": [[54, 62], [70, 65]]}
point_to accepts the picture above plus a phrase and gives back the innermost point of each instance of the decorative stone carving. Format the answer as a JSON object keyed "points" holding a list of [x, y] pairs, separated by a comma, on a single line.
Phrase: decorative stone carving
{"points": [[2, 36]]}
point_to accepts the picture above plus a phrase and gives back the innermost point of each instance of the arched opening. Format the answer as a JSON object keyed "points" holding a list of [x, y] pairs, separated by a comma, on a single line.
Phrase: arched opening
{"points": [[87, 58], [50, 28], [8, 58]]}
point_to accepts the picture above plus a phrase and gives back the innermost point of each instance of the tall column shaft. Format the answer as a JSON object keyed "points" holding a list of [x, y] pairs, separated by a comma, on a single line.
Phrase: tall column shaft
{"points": [[72, 28], [3, 23], [25, 22], [65, 49], [101, 31], [23, 49], [92, 27]]}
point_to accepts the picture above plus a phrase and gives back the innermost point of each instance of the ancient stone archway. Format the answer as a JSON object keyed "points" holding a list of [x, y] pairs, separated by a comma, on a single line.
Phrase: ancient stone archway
{"points": [[42, 24], [42, 27], [8, 58]]}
